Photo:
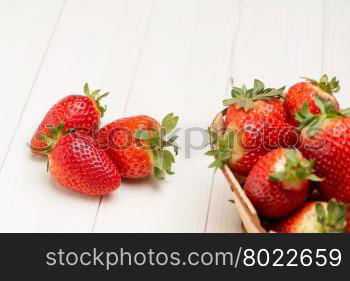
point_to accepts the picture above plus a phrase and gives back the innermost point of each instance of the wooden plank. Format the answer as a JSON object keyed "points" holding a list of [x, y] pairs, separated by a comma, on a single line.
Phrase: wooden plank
{"points": [[277, 42], [25, 29], [183, 69], [98, 42], [222, 214], [281, 43], [336, 60]]}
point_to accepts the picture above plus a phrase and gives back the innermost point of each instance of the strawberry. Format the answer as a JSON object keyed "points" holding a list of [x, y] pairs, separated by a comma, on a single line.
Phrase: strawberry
{"points": [[82, 113], [76, 163], [317, 217], [303, 92], [138, 146], [325, 138], [256, 124], [278, 184]]}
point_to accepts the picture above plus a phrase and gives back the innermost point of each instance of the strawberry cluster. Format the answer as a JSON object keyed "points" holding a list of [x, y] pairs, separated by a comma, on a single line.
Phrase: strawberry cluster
{"points": [[292, 149], [92, 160]]}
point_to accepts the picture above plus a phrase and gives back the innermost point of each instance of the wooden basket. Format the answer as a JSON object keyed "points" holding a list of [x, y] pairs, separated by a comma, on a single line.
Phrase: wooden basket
{"points": [[246, 210]]}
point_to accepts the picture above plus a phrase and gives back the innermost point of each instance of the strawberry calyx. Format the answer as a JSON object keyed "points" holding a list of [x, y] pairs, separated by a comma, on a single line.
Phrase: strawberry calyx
{"points": [[55, 133], [158, 141], [96, 97], [332, 217], [314, 121], [296, 168], [329, 86], [221, 148], [245, 98]]}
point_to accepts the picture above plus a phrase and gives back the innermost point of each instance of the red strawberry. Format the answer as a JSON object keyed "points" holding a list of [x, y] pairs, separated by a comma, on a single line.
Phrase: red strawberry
{"points": [[257, 124], [76, 163], [82, 113], [317, 217], [305, 92], [278, 184], [325, 138], [137, 146]]}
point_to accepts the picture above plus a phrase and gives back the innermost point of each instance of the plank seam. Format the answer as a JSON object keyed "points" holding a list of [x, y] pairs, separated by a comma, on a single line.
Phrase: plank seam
{"points": [[323, 36], [212, 178], [228, 86], [33, 83], [138, 59]]}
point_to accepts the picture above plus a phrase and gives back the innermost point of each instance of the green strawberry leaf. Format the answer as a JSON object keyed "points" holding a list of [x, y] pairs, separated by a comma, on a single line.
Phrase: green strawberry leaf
{"points": [[329, 86], [169, 159], [169, 123], [86, 89], [96, 97], [277, 177], [332, 218], [321, 213], [159, 173], [221, 148], [244, 98], [212, 153], [314, 178], [304, 113], [142, 134], [55, 133], [258, 87], [296, 168], [157, 142], [217, 164], [173, 139], [314, 121]]}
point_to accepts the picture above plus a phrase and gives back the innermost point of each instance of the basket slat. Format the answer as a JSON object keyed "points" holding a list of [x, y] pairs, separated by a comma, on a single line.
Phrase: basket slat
{"points": [[245, 208]]}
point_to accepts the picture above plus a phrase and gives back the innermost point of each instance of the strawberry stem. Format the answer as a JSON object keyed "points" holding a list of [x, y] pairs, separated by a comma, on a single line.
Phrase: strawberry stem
{"points": [[332, 217], [329, 86], [221, 148], [158, 141], [55, 133], [244, 98], [96, 97], [296, 168], [327, 109]]}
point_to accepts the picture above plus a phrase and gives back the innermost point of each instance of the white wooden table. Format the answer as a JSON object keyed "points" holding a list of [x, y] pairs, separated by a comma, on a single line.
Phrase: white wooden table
{"points": [[155, 56]]}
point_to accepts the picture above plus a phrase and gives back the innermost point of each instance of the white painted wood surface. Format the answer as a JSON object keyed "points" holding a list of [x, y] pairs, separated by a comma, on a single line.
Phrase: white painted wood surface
{"points": [[155, 57], [26, 30]]}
